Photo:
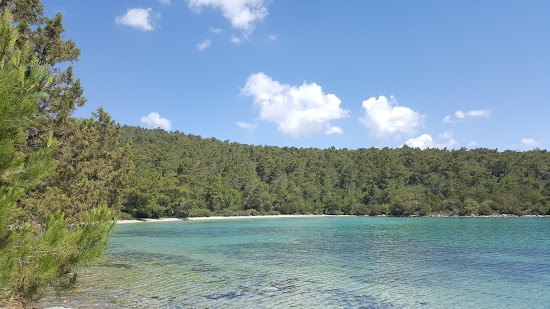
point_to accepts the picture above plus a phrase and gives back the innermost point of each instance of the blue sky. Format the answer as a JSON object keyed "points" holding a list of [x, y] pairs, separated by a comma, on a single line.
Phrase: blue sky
{"points": [[349, 74]]}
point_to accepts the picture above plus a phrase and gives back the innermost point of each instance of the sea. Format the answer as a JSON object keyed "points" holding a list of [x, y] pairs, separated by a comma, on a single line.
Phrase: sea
{"points": [[324, 262]]}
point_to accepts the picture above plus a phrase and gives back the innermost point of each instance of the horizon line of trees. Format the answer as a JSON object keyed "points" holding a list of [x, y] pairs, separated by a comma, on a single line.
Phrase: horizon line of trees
{"points": [[184, 175]]}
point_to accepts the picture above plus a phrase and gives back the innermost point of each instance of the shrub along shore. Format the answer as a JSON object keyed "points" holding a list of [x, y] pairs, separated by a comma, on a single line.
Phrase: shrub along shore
{"points": [[161, 220]]}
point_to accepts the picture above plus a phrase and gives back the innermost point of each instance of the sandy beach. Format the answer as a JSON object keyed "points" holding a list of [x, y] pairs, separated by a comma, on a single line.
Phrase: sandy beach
{"points": [[147, 220]]}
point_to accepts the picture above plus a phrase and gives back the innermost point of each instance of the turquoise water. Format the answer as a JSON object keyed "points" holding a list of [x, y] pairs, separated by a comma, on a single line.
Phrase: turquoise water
{"points": [[340, 262]]}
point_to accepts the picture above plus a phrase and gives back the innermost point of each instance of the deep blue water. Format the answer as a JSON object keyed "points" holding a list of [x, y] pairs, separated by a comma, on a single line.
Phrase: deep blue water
{"points": [[334, 262]]}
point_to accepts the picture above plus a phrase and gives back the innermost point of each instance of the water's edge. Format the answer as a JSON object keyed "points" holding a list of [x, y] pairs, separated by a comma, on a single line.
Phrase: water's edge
{"points": [[150, 220]]}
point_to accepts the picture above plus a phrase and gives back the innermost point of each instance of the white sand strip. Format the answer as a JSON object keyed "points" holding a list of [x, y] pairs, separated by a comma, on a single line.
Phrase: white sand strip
{"points": [[219, 218]]}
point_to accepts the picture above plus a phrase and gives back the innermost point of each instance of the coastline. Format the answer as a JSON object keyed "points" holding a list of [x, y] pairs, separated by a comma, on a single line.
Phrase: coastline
{"points": [[149, 220]]}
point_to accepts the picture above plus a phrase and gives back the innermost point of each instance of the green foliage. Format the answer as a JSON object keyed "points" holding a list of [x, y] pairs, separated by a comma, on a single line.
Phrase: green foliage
{"points": [[91, 165], [191, 173], [60, 177], [48, 258], [199, 213], [88, 176], [20, 84]]}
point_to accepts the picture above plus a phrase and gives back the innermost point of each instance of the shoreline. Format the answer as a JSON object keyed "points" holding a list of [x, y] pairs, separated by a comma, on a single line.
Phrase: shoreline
{"points": [[149, 220]]}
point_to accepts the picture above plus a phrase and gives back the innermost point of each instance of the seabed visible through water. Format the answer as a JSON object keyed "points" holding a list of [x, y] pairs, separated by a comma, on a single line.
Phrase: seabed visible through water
{"points": [[324, 262]]}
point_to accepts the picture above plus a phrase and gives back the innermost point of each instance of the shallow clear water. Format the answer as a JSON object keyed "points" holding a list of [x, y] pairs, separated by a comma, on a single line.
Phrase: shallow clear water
{"points": [[340, 262]]}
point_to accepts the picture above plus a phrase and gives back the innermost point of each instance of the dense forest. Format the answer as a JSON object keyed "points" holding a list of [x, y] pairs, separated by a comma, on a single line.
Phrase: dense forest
{"points": [[184, 175]]}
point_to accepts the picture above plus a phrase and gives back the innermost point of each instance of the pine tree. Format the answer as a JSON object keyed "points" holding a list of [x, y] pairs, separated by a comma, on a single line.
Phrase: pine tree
{"points": [[21, 83], [59, 176], [91, 165]]}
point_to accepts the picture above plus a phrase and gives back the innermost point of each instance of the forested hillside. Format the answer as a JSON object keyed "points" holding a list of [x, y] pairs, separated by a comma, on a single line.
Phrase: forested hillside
{"points": [[185, 175]]}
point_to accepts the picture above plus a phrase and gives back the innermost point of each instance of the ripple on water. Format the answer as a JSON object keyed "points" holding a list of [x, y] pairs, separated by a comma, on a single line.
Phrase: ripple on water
{"points": [[321, 263]]}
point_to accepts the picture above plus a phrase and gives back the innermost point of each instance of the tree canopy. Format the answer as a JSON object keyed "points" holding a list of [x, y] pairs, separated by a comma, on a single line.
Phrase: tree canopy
{"points": [[185, 175]]}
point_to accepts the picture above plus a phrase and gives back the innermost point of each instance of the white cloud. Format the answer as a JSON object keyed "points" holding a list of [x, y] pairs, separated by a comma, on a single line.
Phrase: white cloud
{"points": [[246, 125], [479, 113], [460, 115], [204, 45], [243, 14], [166, 2], [472, 144], [272, 37], [384, 117], [140, 19], [236, 40], [215, 30], [297, 110], [334, 130], [153, 120], [425, 141], [530, 142]]}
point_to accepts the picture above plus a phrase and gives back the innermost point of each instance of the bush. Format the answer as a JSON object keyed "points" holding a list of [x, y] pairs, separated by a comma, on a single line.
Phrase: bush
{"points": [[425, 210], [199, 213]]}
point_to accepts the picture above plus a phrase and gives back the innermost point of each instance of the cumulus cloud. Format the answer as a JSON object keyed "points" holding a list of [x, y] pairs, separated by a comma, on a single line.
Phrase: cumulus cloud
{"points": [[472, 144], [246, 125], [140, 19], [297, 110], [460, 115], [154, 120], [384, 117], [243, 14], [426, 141], [204, 45], [272, 37], [236, 40], [530, 142]]}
